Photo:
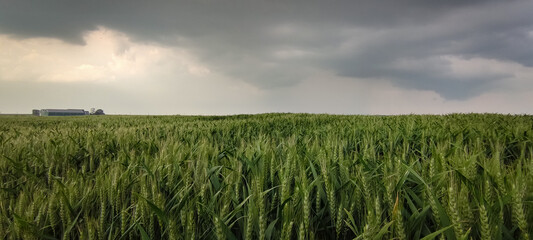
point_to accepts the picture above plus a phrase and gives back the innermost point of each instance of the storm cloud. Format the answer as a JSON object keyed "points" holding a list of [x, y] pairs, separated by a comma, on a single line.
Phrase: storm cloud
{"points": [[272, 46]]}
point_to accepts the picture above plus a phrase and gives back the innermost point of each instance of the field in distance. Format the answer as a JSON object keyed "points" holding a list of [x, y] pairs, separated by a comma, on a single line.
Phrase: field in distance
{"points": [[267, 176]]}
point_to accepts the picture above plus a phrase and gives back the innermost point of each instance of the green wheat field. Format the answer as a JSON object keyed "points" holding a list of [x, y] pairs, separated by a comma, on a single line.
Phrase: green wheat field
{"points": [[267, 176]]}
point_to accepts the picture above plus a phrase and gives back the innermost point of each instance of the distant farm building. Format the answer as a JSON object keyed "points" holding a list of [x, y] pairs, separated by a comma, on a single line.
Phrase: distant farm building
{"points": [[63, 112], [36, 112]]}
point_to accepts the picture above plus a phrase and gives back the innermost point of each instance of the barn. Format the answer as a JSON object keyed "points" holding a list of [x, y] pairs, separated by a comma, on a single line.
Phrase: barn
{"points": [[63, 112]]}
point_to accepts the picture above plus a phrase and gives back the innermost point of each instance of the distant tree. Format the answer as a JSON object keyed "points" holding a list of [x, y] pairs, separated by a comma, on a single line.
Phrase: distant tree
{"points": [[99, 112]]}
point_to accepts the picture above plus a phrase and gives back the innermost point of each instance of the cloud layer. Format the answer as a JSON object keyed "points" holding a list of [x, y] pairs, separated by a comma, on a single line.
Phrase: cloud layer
{"points": [[257, 56]]}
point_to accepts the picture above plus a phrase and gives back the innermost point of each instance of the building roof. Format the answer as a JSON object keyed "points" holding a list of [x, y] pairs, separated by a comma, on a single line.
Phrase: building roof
{"points": [[64, 110]]}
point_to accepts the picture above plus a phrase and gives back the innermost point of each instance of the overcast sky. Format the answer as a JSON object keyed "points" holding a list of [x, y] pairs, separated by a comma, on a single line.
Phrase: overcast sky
{"points": [[232, 57]]}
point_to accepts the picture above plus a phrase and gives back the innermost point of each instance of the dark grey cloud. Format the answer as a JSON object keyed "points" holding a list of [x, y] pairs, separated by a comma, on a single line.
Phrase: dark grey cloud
{"points": [[274, 44]]}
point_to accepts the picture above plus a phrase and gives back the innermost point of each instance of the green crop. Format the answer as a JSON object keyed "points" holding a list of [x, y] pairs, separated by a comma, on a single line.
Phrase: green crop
{"points": [[268, 176]]}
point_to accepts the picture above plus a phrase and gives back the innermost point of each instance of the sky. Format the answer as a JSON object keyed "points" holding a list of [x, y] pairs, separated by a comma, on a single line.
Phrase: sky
{"points": [[217, 57]]}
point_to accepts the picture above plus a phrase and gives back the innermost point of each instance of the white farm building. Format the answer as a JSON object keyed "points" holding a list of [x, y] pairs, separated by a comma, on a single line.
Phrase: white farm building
{"points": [[63, 112]]}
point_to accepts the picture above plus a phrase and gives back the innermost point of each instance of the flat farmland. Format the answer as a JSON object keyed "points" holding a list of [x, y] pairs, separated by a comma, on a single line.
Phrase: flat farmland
{"points": [[267, 176]]}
